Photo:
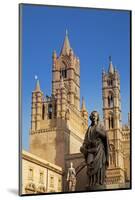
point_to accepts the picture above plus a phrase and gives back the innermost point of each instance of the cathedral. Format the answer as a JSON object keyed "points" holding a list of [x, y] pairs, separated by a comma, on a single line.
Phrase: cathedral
{"points": [[59, 124]]}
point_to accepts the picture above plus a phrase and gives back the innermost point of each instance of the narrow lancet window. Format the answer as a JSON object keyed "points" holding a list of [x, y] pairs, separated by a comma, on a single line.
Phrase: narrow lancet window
{"points": [[43, 112]]}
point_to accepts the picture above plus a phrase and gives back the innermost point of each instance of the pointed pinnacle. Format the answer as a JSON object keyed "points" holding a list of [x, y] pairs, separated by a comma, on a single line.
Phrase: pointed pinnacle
{"points": [[37, 86], [111, 69], [66, 46]]}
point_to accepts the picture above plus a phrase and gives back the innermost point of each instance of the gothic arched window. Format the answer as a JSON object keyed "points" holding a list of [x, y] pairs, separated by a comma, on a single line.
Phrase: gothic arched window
{"points": [[110, 100], [35, 118], [110, 82], [63, 73], [111, 121], [43, 111], [30, 174], [55, 110], [41, 177], [50, 111]]}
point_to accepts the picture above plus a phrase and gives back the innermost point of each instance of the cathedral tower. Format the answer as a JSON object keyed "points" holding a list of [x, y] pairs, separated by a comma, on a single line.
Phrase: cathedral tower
{"points": [[112, 121], [67, 66], [111, 98]]}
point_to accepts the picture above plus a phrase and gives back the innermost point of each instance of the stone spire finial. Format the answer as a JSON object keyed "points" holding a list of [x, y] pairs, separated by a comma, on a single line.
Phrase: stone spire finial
{"points": [[111, 69], [66, 45], [37, 88]]}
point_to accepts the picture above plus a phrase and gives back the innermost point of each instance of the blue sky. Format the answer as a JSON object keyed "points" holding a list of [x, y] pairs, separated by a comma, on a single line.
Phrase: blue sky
{"points": [[94, 35]]}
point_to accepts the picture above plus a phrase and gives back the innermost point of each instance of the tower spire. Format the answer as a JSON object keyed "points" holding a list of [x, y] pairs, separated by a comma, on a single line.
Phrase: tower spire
{"points": [[111, 69], [66, 45], [37, 88]]}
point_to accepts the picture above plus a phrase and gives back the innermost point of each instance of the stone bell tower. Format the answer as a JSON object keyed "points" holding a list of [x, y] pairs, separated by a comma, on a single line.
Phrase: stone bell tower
{"points": [[67, 67], [112, 121], [36, 109], [111, 98]]}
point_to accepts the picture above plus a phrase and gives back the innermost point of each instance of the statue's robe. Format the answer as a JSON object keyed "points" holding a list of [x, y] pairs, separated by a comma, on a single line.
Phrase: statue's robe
{"points": [[96, 152]]}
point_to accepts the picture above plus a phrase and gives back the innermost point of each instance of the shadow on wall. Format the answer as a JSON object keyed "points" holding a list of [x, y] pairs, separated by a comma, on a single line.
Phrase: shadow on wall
{"points": [[13, 191]]}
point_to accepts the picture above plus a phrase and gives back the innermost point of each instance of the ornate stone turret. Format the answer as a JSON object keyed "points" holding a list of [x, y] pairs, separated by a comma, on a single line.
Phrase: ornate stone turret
{"points": [[36, 107]]}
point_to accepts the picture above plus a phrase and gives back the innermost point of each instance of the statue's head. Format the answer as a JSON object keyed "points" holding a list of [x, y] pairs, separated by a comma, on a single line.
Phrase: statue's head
{"points": [[94, 116], [71, 165]]}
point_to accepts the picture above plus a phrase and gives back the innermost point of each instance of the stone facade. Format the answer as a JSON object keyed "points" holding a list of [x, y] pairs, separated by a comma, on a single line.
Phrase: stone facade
{"points": [[39, 176], [58, 124]]}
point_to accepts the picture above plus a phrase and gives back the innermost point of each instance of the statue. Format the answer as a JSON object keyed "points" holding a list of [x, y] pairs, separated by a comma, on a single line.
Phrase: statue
{"points": [[95, 149], [71, 178]]}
